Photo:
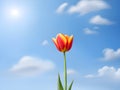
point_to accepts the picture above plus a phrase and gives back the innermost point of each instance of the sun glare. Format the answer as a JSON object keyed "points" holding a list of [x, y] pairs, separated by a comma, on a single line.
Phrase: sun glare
{"points": [[14, 12]]}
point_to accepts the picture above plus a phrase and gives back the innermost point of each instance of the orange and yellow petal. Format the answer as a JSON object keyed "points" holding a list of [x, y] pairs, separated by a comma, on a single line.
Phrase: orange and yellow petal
{"points": [[70, 41], [67, 37]]}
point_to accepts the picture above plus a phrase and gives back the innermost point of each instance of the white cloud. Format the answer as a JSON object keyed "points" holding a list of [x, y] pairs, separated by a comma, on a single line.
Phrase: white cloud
{"points": [[110, 54], [98, 20], [62, 7], [45, 42], [111, 72], [106, 72], [118, 73], [87, 6], [31, 66], [71, 72], [89, 31]]}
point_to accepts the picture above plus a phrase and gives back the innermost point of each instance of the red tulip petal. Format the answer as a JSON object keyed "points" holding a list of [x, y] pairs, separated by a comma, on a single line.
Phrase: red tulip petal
{"points": [[56, 44], [62, 41]]}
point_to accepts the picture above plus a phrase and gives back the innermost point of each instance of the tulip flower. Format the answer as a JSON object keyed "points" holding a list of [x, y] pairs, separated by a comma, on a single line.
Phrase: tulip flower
{"points": [[63, 43]]}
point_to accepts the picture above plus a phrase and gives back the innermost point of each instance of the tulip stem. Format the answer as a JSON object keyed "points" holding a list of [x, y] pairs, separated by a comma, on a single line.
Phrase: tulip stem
{"points": [[65, 72]]}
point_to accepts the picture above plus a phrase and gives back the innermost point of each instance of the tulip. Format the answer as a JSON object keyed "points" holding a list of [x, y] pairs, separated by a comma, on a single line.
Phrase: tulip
{"points": [[63, 42]]}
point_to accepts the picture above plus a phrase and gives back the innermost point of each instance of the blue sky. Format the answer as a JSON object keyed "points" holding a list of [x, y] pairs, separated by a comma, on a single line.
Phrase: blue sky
{"points": [[28, 58]]}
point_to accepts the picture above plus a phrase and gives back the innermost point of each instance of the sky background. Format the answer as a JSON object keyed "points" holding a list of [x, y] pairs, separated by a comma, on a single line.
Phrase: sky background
{"points": [[30, 61]]}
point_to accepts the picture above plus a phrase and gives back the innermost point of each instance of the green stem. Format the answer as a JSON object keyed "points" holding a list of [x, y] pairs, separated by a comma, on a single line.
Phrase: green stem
{"points": [[65, 72]]}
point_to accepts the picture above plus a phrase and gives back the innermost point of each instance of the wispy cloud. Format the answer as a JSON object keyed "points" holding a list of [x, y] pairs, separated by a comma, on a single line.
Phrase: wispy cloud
{"points": [[86, 6], [95, 28], [62, 7], [71, 72], [31, 66], [99, 20], [89, 31], [45, 42], [111, 54], [107, 72], [90, 76]]}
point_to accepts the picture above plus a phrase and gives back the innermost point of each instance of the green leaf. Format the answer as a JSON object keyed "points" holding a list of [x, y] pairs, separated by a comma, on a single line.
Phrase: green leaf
{"points": [[60, 87], [70, 87]]}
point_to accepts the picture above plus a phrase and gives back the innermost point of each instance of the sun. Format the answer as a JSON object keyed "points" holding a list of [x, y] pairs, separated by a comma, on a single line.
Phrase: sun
{"points": [[14, 12]]}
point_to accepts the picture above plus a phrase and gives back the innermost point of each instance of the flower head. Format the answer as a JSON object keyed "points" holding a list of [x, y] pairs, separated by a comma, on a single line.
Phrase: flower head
{"points": [[63, 42]]}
